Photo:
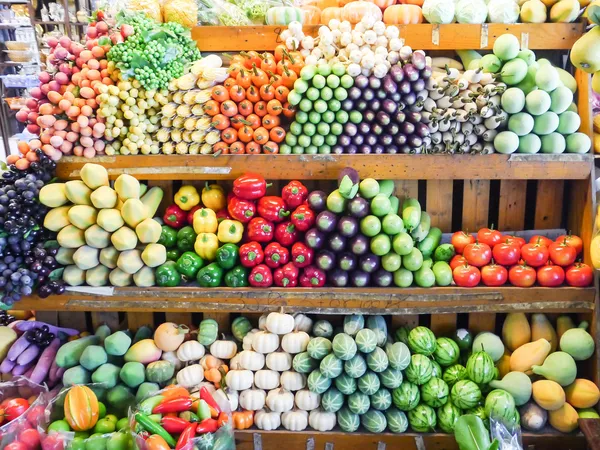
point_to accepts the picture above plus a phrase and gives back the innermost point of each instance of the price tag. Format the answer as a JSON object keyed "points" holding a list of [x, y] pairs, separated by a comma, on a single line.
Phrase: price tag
{"points": [[483, 38], [524, 41], [435, 35], [381, 445], [257, 438], [328, 445], [310, 444]]}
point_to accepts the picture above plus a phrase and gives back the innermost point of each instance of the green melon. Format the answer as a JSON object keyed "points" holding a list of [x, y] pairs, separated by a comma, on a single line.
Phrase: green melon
{"points": [[419, 370], [331, 366], [447, 416], [446, 352], [379, 326], [369, 383], [402, 334], [406, 397], [317, 382], [391, 378], [381, 400], [480, 368], [319, 347], [422, 419], [396, 420], [346, 384], [374, 421], [398, 355], [208, 331], [366, 340], [489, 343], [454, 373], [435, 392], [322, 328], [355, 367], [421, 340], [343, 346], [353, 324], [465, 394], [347, 420], [359, 403], [377, 360], [332, 400], [303, 363], [463, 339], [240, 327]]}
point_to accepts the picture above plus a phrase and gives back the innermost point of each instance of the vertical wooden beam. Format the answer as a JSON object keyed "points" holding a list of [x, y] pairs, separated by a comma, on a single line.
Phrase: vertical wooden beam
{"points": [[109, 318], [443, 324], [138, 319], [405, 189], [72, 319], [581, 212], [182, 318], [548, 204], [482, 322], [511, 215], [476, 205], [439, 203]]}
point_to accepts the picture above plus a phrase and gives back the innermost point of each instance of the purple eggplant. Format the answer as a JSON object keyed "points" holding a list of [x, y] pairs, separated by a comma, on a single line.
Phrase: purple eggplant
{"points": [[382, 278], [363, 128], [389, 85], [415, 141], [369, 116], [317, 200], [358, 140], [368, 262], [344, 140], [350, 129], [411, 72], [410, 98], [418, 85], [337, 149], [358, 207], [374, 82], [347, 226], [314, 239], [426, 72], [354, 93], [414, 117], [365, 149], [347, 261], [348, 105], [378, 149], [383, 118], [391, 149], [381, 95], [385, 139], [370, 140], [417, 107], [422, 130], [361, 105], [418, 59], [361, 81], [352, 149], [396, 73], [359, 278], [326, 221], [325, 260], [375, 104], [393, 128], [399, 117], [407, 128], [348, 178], [376, 129], [368, 94], [338, 278], [396, 97], [405, 87], [422, 95], [359, 244], [389, 106], [406, 149], [336, 242], [400, 139]]}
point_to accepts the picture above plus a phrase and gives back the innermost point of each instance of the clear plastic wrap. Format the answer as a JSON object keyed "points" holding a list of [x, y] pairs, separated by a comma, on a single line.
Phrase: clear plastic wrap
{"points": [[508, 435], [219, 12]]}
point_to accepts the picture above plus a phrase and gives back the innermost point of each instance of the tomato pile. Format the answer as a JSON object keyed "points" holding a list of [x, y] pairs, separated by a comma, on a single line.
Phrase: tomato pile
{"points": [[495, 260], [13, 408]]}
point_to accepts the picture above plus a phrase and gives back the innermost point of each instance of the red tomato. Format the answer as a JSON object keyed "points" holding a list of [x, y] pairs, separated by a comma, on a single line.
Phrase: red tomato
{"points": [[457, 260], [478, 254], [550, 275], [572, 240], [466, 276], [494, 275], [579, 275], [535, 255], [541, 239], [16, 446], [35, 415], [522, 276], [506, 254], [562, 253], [460, 239], [14, 408], [516, 240], [31, 438], [55, 441], [489, 236]]}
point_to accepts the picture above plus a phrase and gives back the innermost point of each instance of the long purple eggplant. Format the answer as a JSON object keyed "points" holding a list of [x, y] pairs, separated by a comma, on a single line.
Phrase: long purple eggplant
{"points": [[19, 346], [20, 370], [28, 355], [52, 372], [45, 361], [27, 325], [7, 365]]}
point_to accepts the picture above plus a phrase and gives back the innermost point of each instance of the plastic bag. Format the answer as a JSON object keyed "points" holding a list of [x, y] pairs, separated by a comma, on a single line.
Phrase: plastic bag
{"points": [[219, 12], [508, 435], [256, 10], [184, 12], [152, 8]]}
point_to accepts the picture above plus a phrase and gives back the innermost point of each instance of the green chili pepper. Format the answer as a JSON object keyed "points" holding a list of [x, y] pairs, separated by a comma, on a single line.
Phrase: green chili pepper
{"points": [[155, 428], [227, 256], [203, 410], [189, 264], [237, 277], [189, 416], [210, 276]]}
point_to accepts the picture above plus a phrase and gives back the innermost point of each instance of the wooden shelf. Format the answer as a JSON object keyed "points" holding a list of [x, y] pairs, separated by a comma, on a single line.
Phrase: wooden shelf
{"points": [[325, 300], [327, 167], [551, 36]]}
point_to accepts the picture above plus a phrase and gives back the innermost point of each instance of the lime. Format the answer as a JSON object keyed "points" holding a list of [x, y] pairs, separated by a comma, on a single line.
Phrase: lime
{"points": [[328, 116], [305, 105], [301, 117], [320, 106], [326, 93], [314, 117], [309, 129], [341, 117], [312, 93], [303, 140], [318, 140]]}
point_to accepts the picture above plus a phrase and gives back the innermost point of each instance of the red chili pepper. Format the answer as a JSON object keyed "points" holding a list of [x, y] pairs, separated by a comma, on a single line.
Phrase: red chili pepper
{"points": [[302, 255], [223, 214], [175, 216], [261, 276], [260, 230], [250, 186], [272, 208], [286, 276], [276, 255], [242, 210], [312, 277], [190, 215], [286, 233], [173, 405], [207, 426], [174, 425], [186, 436], [251, 254], [294, 193], [303, 218], [205, 395]]}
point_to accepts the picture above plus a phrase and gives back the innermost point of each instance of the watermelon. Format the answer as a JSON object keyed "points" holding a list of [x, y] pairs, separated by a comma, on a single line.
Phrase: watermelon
{"points": [[463, 339], [347, 420], [446, 352], [419, 370], [447, 416], [359, 403], [436, 370], [480, 368], [303, 363], [322, 328], [435, 392], [317, 382], [402, 334], [332, 400], [318, 347], [391, 378], [381, 400], [356, 367], [240, 327], [398, 355], [377, 360], [479, 411], [345, 384], [406, 397], [396, 420], [374, 421], [379, 326], [454, 373], [500, 405], [343, 346], [422, 419], [369, 383], [366, 340], [331, 366], [421, 340], [465, 394], [353, 324]]}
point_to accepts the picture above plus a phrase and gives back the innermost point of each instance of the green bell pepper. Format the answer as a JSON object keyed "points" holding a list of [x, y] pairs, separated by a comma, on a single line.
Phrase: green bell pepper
{"points": [[227, 256], [173, 254], [237, 277], [189, 264], [167, 275], [168, 236], [210, 276], [186, 238]]}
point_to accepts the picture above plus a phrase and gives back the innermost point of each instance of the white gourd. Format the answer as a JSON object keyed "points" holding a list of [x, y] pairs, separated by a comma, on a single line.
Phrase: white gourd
{"points": [[190, 351], [292, 381], [279, 323], [321, 420], [265, 342], [302, 322], [280, 400], [262, 322], [307, 400], [247, 341], [267, 379], [267, 420], [295, 342], [210, 387], [234, 363], [239, 379], [190, 376], [253, 399], [173, 359], [250, 360], [223, 349], [294, 420], [279, 361]]}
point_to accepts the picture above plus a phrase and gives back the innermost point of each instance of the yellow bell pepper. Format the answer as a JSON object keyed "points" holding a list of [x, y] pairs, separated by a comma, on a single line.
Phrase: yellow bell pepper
{"points": [[187, 197], [213, 197], [595, 252], [230, 231], [205, 221], [206, 246]]}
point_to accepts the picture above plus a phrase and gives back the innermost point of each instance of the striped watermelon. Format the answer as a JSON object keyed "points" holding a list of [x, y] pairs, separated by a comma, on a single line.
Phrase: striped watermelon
{"points": [[374, 421], [500, 405], [446, 352], [419, 370], [369, 383], [346, 384], [381, 400], [347, 420], [356, 367], [396, 420], [454, 373], [332, 400], [343, 346], [406, 397], [379, 326], [421, 340], [391, 378], [353, 324], [479, 411], [398, 355], [317, 382], [447, 416], [436, 370], [402, 334], [465, 394], [303, 363], [318, 347], [359, 403], [331, 366], [322, 328], [422, 419], [435, 392], [366, 340], [480, 368], [377, 360]]}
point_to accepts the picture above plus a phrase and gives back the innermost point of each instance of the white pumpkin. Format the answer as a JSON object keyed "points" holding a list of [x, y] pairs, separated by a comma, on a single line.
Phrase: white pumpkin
{"points": [[280, 400], [279, 361], [262, 322], [293, 381], [234, 363], [280, 323], [302, 323], [253, 399], [247, 359], [210, 387], [266, 379], [190, 376], [173, 359], [294, 420], [295, 342], [265, 342], [239, 379], [267, 420], [307, 400], [321, 420], [223, 349], [190, 351], [228, 399], [247, 341]]}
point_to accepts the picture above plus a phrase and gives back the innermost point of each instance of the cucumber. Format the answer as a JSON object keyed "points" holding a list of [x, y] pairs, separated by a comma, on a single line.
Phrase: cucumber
{"points": [[143, 332], [117, 343], [421, 231], [69, 354], [107, 375], [411, 213], [431, 242], [75, 375]]}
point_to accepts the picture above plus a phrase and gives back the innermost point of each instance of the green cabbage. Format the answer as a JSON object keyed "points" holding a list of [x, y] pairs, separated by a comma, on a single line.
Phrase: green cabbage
{"points": [[471, 11], [503, 11], [439, 11]]}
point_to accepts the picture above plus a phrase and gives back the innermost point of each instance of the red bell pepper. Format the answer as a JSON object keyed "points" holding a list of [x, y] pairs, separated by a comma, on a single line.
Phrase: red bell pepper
{"points": [[174, 425], [186, 436], [261, 276], [251, 254], [286, 276], [302, 255], [240, 209], [175, 216], [173, 405], [312, 277], [190, 214], [272, 208], [223, 214], [260, 230], [250, 186], [207, 426], [303, 218], [205, 395], [286, 233], [294, 193], [276, 255]]}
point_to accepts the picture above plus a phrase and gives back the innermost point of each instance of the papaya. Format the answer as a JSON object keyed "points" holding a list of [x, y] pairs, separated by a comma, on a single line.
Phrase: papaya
{"points": [[73, 275], [130, 261], [503, 364], [97, 237], [144, 277], [110, 219], [563, 323], [124, 239], [559, 367], [98, 276], [564, 11], [83, 216], [127, 187], [78, 193], [86, 257], [65, 256], [578, 343], [109, 257], [585, 54], [154, 255], [548, 394], [54, 195], [148, 231], [94, 175], [104, 197], [516, 331], [564, 419], [582, 393], [528, 355], [516, 384], [533, 11], [541, 328], [119, 278], [57, 218], [134, 212]]}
